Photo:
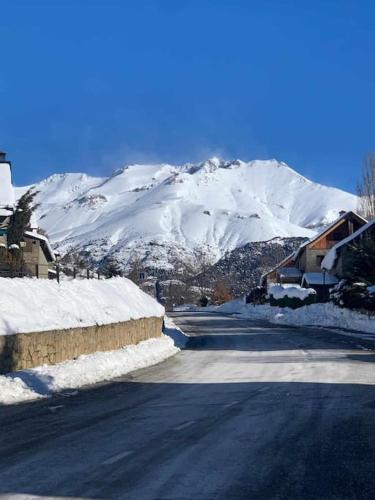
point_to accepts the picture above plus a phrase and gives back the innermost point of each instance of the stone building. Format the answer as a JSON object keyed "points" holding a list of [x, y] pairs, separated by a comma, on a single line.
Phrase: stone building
{"points": [[33, 256]]}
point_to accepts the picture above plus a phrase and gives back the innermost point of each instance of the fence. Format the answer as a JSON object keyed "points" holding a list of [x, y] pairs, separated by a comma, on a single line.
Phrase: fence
{"points": [[45, 271]]}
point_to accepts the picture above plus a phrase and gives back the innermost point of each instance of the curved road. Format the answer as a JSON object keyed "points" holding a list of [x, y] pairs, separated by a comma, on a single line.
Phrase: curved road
{"points": [[248, 410]]}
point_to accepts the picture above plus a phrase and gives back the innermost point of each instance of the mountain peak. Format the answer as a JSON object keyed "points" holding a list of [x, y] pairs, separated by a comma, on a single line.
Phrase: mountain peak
{"points": [[163, 212]]}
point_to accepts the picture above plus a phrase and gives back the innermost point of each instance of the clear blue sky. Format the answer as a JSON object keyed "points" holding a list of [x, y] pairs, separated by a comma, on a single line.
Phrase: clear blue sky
{"points": [[89, 85]]}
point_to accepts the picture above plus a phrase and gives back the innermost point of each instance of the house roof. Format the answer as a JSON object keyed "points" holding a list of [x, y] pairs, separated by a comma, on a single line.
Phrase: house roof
{"points": [[292, 257], [44, 242], [289, 272], [329, 260], [328, 229], [280, 264], [5, 212], [319, 279]]}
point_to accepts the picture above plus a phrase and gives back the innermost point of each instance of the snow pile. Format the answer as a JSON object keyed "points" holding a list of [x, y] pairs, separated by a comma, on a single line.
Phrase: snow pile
{"points": [[30, 305], [292, 292], [87, 369], [164, 211], [327, 315], [177, 335], [371, 289]]}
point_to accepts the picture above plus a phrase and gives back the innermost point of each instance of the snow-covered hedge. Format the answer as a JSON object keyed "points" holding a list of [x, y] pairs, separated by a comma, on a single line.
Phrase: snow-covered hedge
{"points": [[291, 296], [32, 305]]}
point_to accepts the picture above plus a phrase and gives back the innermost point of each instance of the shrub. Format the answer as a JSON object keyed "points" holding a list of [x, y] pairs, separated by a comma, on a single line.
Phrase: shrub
{"points": [[353, 296], [292, 297], [292, 302], [203, 301], [221, 293], [257, 295]]}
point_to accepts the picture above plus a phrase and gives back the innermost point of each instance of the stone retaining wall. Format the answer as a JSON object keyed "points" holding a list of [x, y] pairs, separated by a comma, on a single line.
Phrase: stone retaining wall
{"points": [[27, 350]]}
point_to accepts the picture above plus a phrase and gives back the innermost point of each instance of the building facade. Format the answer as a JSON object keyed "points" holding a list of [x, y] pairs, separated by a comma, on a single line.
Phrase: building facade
{"points": [[33, 255]]}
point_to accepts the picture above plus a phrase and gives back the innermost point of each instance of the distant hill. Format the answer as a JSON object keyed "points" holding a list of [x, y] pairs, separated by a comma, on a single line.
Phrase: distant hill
{"points": [[242, 268]]}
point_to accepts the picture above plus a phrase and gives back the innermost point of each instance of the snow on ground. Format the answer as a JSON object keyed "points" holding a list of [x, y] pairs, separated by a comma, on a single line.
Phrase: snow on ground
{"points": [[172, 330], [327, 315], [45, 380], [29, 305]]}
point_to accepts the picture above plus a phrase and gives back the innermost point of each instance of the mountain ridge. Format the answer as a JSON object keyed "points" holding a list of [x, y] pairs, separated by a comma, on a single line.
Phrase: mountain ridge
{"points": [[165, 213]]}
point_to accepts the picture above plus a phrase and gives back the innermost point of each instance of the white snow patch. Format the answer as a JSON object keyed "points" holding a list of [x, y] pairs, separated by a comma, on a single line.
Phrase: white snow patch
{"points": [[29, 305], [6, 188], [177, 335], [292, 292], [327, 315], [87, 369]]}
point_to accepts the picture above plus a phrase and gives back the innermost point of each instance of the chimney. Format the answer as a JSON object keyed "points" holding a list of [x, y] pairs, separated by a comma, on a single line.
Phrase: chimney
{"points": [[2, 156]]}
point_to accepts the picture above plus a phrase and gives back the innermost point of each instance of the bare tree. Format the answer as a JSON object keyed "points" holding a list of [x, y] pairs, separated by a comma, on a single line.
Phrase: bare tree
{"points": [[135, 268], [366, 189], [221, 293]]}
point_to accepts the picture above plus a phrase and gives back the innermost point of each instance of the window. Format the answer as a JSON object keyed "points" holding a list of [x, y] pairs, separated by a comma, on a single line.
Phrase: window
{"points": [[319, 259]]}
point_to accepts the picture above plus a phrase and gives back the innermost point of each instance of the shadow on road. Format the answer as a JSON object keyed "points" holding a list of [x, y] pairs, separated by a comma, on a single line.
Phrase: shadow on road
{"points": [[242, 432], [136, 440]]}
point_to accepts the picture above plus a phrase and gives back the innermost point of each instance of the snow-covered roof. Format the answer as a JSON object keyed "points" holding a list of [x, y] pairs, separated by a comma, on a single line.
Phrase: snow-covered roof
{"points": [[6, 188], [280, 264], [292, 292], [295, 254], [327, 230], [319, 279], [5, 212], [46, 244], [289, 272], [329, 260]]}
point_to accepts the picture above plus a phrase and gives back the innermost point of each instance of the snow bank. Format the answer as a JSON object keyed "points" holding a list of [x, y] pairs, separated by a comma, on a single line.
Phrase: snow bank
{"points": [[327, 315], [177, 335], [292, 292], [88, 369], [31, 305]]}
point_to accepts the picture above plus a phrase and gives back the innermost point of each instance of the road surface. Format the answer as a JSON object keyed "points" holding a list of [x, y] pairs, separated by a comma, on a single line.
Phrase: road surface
{"points": [[248, 410]]}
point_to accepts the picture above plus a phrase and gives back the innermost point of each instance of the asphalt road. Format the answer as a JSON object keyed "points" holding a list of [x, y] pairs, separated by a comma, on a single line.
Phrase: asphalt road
{"points": [[247, 411]]}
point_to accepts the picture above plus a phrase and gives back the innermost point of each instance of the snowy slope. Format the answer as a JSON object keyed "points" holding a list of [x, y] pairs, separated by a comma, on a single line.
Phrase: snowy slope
{"points": [[166, 212]]}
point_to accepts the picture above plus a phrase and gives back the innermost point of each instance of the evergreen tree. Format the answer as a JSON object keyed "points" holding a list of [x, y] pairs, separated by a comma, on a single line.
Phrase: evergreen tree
{"points": [[360, 262], [112, 268], [20, 220]]}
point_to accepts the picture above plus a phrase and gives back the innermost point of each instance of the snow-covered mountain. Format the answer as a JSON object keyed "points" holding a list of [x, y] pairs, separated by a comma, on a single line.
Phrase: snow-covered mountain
{"points": [[164, 212]]}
